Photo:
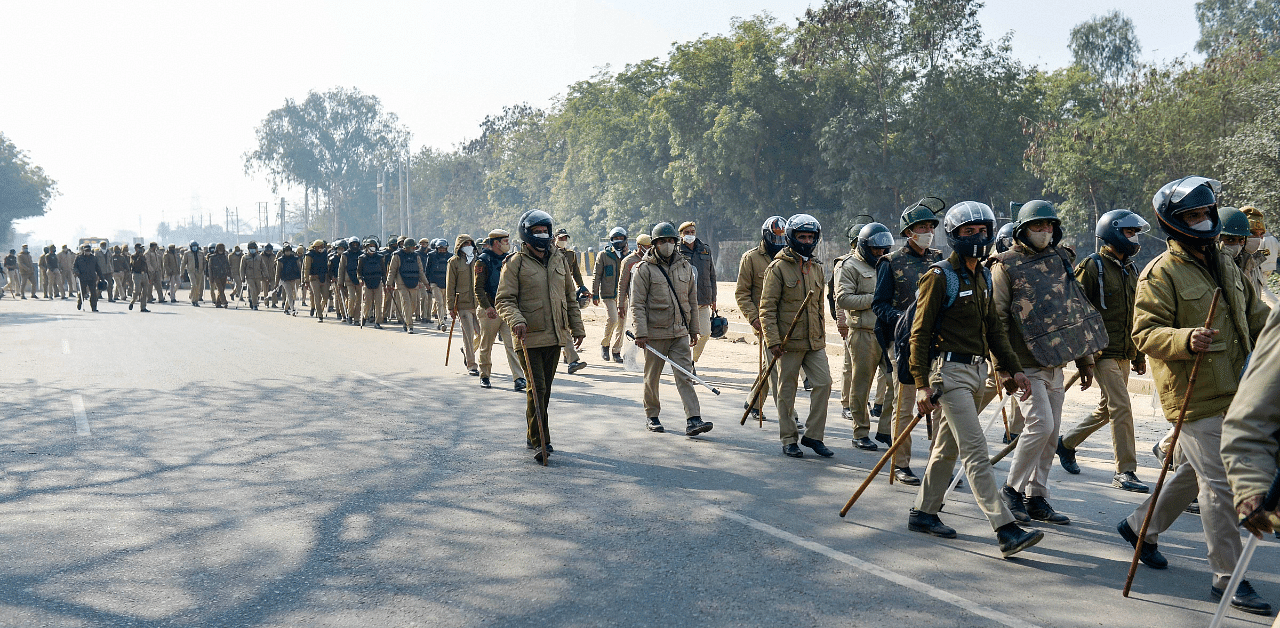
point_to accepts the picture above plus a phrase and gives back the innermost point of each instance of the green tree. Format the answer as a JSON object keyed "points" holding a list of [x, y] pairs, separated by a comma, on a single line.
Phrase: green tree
{"points": [[25, 189], [1106, 46], [1251, 156], [1225, 22]]}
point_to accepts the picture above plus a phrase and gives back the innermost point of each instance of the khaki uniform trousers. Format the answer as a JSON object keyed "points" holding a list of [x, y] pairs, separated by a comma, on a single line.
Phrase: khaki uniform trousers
{"points": [[1115, 407], [354, 291], [124, 285], [257, 289], [1200, 474], [408, 298], [960, 434], [68, 281], [704, 315], [1033, 457], [388, 299], [570, 354], [679, 351], [320, 297], [290, 287], [613, 327], [197, 287], [174, 280], [886, 392], [218, 288], [50, 288], [470, 334], [372, 298], [541, 372], [864, 352], [433, 303], [28, 278], [141, 291], [819, 371], [901, 410], [11, 282], [491, 328]]}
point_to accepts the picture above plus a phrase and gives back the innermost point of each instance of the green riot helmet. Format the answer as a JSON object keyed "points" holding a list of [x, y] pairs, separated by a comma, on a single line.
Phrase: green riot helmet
{"points": [[924, 210], [1234, 222], [664, 230], [1032, 211]]}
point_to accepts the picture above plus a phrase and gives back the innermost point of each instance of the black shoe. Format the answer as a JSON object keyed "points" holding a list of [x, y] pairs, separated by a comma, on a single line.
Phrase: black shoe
{"points": [[577, 366], [906, 476], [1129, 482], [617, 357], [1038, 508], [484, 383], [846, 414], [877, 409], [1014, 539], [817, 447], [520, 384], [792, 450], [929, 524], [654, 425], [473, 372], [604, 353], [539, 455], [865, 444], [95, 309], [79, 304], [1017, 503], [528, 444], [1193, 507], [1245, 599], [144, 310], [377, 325], [1068, 458], [695, 425], [1151, 555], [884, 438], [194, 303], [130, 306], [807, 386]]}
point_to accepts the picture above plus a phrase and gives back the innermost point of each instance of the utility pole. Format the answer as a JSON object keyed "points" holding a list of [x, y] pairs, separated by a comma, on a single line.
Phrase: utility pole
{"points": [[282, 220], [382, 209], [408, 189], [404, 224]]}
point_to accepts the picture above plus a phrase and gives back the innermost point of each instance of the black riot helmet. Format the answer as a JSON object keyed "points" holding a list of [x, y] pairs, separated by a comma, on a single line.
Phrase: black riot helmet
{"points": [[874, 236], [1183, 195], [803, 223], [970, 213], [773, 233], [1111, 227], [1004, 237], [529, 220]]}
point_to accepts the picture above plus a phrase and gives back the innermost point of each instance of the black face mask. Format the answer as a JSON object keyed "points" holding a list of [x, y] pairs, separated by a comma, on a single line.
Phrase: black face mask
{"points": [[620, 245]]}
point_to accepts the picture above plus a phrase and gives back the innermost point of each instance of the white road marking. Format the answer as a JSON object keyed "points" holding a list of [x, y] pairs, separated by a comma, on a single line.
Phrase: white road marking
{"points": [[399, 389], [66, 347], [881, 572], [82, 419]]}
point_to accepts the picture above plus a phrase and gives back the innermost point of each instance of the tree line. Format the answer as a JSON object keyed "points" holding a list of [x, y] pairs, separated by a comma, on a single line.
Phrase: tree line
{"points": [[859, 108]]}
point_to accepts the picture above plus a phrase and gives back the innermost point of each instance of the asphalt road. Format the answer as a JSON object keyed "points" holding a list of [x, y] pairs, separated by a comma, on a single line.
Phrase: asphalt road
{"points": [[202, 467]]}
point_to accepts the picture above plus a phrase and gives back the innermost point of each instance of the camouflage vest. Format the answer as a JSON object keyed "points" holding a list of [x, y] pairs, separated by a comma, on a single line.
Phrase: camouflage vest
{"points": [[907, 268], [1056, 320]]}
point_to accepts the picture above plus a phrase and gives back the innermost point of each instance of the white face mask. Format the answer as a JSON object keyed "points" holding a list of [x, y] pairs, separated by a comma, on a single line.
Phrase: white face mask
{"points": [[923, 240], [690, 238], [1134, 239], [1232, 250], [1040, 239], [562, 244], [665, 249], [1203, 225], [466, 250], [1252, 245]]}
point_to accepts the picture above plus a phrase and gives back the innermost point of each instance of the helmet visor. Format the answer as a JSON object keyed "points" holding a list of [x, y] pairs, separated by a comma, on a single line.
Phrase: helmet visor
{"points": [[881, 240]]}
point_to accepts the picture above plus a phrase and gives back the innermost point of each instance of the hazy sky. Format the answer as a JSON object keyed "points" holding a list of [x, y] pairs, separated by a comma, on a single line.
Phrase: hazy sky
{"points": [[143, 109]]}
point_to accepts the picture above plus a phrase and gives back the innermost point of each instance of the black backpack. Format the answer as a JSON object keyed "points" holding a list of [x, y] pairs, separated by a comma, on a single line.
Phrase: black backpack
{"points": [[902, 331]]}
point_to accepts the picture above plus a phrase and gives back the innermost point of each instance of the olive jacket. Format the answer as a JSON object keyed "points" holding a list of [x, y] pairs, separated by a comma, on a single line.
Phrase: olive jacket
{"points": [[539, 293], [787, 280], [657, 312]]}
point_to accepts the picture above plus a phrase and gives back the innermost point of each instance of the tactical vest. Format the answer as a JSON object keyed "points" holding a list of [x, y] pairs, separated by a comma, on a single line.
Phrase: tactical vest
{"points": [[219, 266], [408, 268], [290, 269], [51, 261], [319, 265], [353, 265], [371, 270], [11, 262], [334, 260], [493, 267], [1056, 320], [906, 268]]}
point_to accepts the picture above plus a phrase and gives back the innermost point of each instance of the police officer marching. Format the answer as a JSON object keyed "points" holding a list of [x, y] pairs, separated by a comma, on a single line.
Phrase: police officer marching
{"points": [[751, 267], [288, 274], [790, 277], [193, 263], [460, 295], [404, 275], [1110, 281], [488, 276], [855, 280], [256, 274], [349, 276], [663, 300], [537, 300], [373, 271], [315, 267], [604, 287]]}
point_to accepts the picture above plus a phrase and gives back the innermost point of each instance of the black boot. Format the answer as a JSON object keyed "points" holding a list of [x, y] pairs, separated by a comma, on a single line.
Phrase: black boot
{"points": [[817, 447], [1245, 599], [520, 384], [617, 357], [1014, 539], [1038, 508], [604, 353], [929, 524], [906, 476], [654, 425], [792, 450], [1150, 555], [864, 444], [695, 425], [1017, 503], [1068, 458], [877, 409], [884, 438]]}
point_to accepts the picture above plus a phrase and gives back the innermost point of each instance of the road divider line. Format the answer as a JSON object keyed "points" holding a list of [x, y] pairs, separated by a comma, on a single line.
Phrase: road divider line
{"points": [[878, 571], [82, 419], [66, 347]]}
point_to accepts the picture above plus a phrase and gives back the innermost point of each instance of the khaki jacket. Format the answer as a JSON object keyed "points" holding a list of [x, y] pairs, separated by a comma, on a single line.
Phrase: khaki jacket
{"points": [[656, 312], [193, 263], [1174, 293], [232, 257], [66, 259], [25, 264], [855, 290], [604, 282], [460, 278], [254, 267], [155, 261], [751, 281], [787, 281], [1249, 447], [541, 296], [624, 281], [171, 264]]}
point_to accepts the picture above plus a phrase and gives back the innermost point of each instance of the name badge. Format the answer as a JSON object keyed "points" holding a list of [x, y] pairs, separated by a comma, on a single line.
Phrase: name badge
{"points": [[966, 293]]}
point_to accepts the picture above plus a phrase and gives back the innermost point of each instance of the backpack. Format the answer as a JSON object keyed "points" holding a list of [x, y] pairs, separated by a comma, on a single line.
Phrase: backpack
{"points": [[902, 331]]}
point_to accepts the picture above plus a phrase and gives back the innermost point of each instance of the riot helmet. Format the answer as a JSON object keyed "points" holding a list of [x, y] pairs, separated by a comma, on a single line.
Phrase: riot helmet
{"points": [[803, 223], [874, 236], [1033, 211], [1234, 222], [1111, 226], [924, 210], [774, 234], [1185, 195], [967, 213], [1004, 237], [535, 218]]}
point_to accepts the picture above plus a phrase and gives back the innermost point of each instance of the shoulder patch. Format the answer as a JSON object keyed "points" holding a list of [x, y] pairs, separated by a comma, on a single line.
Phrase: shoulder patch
{"points": [[936, 271]]}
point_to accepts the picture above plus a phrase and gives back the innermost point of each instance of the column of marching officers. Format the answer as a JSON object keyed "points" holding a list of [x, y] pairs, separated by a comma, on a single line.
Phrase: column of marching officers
{"points": [[1003, 314]]}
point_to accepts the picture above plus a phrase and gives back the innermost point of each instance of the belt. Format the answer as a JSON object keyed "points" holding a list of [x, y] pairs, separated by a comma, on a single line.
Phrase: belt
{"points": [[962, 358]]}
